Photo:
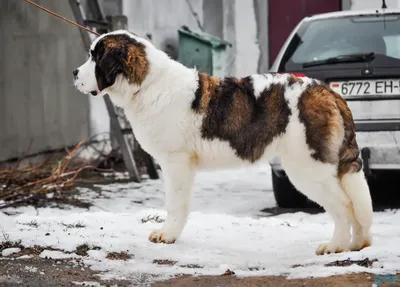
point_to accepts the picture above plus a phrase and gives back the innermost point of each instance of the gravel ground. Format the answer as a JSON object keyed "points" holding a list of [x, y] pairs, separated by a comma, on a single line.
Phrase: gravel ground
{"points": [[354, 280], [39, 272]]}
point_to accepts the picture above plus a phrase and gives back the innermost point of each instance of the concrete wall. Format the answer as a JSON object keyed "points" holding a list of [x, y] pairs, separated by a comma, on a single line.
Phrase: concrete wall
{"points": [[39, 107], [161, 19], [241, 22]]}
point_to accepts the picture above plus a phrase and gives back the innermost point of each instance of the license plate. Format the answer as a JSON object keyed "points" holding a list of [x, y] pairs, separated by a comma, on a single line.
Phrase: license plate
{"points": [[367, 87]]}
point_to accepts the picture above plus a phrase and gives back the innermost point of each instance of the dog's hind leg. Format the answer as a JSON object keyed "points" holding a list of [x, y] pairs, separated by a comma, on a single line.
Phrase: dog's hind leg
{"points": [[179, 173], [356, 187], [320, 184]]}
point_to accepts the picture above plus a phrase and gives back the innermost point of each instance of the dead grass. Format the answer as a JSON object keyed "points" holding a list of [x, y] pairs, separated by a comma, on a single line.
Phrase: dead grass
{"points": [[343, 263], [45, 182], [192, 266], [164, 262], [74, 225], [34, 250], [153, 218], [10, 244], [33, 223], [82, 250], [119, 256]]}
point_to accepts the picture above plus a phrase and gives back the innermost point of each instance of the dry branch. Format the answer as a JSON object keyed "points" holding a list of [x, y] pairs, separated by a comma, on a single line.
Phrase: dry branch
{"points": [[21, 186]]}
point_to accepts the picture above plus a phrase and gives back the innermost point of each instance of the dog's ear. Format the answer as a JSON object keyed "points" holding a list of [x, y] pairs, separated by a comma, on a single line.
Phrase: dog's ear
{"points": [[108, 67]]}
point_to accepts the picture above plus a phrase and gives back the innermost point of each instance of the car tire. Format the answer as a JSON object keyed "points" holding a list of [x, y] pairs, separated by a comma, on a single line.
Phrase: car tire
{"points": [[286, 195]]}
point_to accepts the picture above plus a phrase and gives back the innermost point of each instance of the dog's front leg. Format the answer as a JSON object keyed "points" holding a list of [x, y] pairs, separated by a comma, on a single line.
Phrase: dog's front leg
{"points": [[179, 173]]}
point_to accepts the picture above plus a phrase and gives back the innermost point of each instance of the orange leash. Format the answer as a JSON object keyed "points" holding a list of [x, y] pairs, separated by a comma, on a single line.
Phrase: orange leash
{"points": [[62, 18]]}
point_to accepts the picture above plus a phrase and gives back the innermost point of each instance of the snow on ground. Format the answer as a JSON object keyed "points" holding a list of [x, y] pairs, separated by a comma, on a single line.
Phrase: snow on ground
{"points": [[9, 251], [224, 231]]}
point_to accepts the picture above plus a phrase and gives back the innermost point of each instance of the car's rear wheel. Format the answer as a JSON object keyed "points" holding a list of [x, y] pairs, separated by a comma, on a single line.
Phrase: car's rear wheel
{"points": [[286, 195]]}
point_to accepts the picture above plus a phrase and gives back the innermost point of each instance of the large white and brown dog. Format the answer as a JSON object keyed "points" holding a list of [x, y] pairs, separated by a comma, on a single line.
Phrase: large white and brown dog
{"points": [[190, 121]]}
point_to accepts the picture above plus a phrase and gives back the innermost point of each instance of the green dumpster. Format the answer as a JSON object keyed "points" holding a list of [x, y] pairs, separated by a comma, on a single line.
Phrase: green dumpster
{"points": [[203, 51]]}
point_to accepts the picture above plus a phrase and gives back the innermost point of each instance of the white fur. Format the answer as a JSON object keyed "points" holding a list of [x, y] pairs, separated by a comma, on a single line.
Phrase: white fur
{"points": [[162, 120], [259, 84], [86, 81], [356, 187]]}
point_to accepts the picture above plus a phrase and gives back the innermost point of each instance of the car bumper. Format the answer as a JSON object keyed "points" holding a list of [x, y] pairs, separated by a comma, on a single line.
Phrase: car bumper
{"points": [[380, 151]]}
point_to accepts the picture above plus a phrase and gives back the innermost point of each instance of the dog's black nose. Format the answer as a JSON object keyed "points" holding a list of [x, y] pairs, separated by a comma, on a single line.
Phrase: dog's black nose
{"points": [[75, 72]]}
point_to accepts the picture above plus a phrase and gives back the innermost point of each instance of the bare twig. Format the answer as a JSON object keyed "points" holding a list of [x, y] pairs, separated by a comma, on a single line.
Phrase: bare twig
{"points": [[32, 183]]}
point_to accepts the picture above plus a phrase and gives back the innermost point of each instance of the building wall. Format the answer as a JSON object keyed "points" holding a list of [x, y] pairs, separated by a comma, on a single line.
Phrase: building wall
{"points": [[159, 20], [39, 107]]}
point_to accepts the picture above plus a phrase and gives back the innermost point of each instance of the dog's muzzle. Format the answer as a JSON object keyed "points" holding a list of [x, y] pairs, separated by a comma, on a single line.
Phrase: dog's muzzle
{"points": [[75, 73]]}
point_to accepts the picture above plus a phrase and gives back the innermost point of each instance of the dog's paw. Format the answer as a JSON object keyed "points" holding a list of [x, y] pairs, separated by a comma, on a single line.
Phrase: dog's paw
{"points": [[328, 248], [160, 236], [360, 243]]}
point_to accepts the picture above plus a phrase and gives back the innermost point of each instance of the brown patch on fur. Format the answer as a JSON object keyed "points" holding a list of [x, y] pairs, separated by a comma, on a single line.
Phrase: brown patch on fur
{"points": [[194, 159], [294, 80], [277, 116], [349, 161], [111, 43], [367, 243], [240, 113], [327, 119], [323, 122], [235, 115], [120, 53], [137, 64], [208, 87]]}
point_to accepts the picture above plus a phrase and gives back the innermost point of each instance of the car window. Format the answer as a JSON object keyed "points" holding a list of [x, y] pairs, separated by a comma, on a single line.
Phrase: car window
{"points": [[325, 38], [393, 45]]}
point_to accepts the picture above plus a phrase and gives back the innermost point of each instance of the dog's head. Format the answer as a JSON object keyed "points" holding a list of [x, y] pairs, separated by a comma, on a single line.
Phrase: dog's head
{"points": [[114, 58]]}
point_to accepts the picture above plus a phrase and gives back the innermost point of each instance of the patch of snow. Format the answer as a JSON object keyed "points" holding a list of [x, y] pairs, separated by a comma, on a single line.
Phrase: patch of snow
{"points": [[226, 230], [212, 243], [9, 251], [24, 257], [117, 175], [55, 254], [242, 192], [31, 269]]}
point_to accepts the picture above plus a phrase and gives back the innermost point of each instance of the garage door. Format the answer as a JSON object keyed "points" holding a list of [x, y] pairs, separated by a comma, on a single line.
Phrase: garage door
{"points": [[284, 15]]}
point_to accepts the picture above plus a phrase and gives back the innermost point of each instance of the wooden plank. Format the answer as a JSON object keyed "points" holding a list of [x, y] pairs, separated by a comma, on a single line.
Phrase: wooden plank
{"points": [[122, 141], [78, 13]]}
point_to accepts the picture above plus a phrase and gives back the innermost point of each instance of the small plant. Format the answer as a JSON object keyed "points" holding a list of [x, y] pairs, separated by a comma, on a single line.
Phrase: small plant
{"points": [[33, 223], [118, 256], [6, 236], [74, 225], [164, 262], [153, 218], [83, 249]]}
